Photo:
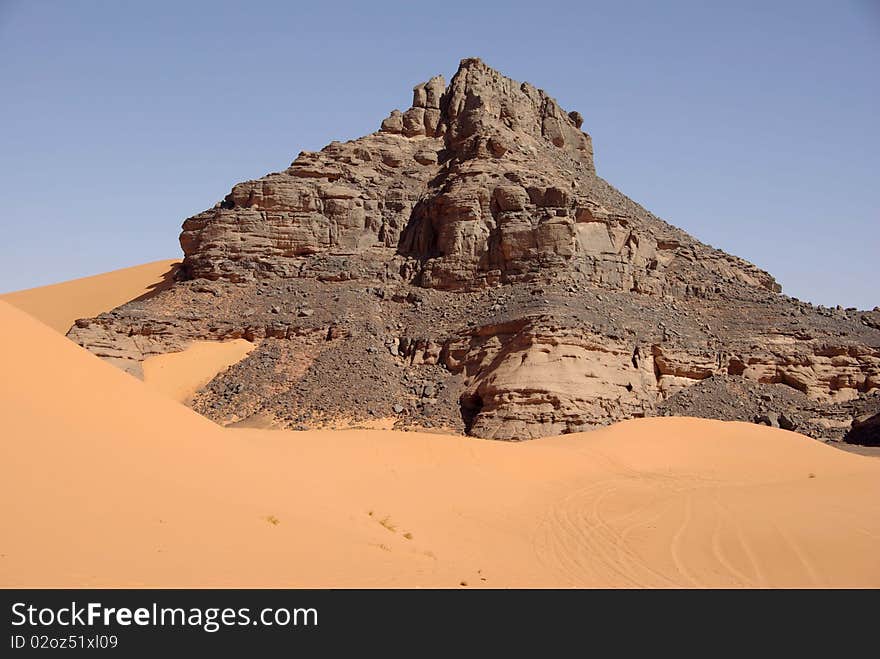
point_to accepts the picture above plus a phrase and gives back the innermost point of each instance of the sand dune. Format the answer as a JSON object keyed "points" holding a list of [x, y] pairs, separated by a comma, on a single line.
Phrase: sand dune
{"points": [[179, 375], [106, 483], [59, 305]]}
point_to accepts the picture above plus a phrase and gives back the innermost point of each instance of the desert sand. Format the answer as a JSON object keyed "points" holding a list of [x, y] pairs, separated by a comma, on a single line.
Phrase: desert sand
{"points": [[178, 375], [108, 483], [61, 304]]}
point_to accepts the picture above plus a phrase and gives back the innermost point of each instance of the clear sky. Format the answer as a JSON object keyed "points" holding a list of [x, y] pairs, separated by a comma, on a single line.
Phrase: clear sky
{"points": [[752, 125]]}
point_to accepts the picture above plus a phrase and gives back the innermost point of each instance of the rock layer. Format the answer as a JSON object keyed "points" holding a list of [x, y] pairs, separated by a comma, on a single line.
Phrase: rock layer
{"points": [[465, 267]]}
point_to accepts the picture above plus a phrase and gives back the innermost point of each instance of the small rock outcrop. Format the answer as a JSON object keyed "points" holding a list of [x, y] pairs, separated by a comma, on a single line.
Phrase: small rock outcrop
{"points": [[464, 267]]}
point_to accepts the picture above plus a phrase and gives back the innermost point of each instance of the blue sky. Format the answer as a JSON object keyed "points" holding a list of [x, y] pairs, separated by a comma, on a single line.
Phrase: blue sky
{"points": [[752, 125]]}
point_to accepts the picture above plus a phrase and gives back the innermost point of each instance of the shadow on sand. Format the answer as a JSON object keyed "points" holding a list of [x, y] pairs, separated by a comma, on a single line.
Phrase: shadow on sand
{"points": [[167, 281]]}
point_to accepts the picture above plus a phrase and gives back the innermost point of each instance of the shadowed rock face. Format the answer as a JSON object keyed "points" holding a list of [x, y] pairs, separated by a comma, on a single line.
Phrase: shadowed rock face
{"points": [[464, 267]]}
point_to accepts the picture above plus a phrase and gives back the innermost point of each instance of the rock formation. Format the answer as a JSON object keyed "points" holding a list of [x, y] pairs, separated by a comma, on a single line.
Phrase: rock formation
{"points": [[464, 267]]}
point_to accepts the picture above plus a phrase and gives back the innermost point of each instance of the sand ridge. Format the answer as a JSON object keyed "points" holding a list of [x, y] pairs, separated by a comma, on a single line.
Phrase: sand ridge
{"points": [[177, 375], [106, 483], [59, 305]]}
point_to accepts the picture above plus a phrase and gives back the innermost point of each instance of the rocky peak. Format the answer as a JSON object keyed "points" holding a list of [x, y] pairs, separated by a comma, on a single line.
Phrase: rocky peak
{"points": [[486, 109], [482, 182], [484, 114], [464, 266]]}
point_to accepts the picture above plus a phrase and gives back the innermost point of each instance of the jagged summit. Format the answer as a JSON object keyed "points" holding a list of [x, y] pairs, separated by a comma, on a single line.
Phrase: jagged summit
{"points": [[485, 114], [465, 267], [480, 182]]}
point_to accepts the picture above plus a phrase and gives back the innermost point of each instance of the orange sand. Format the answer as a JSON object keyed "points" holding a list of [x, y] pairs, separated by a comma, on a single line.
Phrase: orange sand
{"points": [[61, 304], [179, 375], [106, 483]]}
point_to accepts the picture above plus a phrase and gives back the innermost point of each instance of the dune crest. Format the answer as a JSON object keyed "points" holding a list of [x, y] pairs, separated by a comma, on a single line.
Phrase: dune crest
{"points": [[106, 483], [59, 305], [177, 375]]}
